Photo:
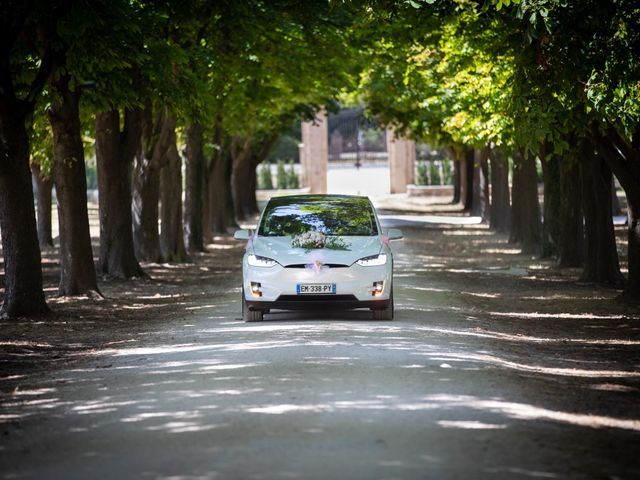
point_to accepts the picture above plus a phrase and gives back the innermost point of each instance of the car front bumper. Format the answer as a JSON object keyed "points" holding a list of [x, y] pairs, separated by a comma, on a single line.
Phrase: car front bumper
{"points": [[354, 287]]}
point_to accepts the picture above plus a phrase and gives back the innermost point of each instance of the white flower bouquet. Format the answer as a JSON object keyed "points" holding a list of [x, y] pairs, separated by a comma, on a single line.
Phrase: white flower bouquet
{"points": [[312, 240]]}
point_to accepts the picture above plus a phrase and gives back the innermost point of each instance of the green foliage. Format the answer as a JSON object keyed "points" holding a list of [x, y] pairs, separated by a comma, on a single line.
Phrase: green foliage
{"points": [[422, 177], [41, 139], [292, 176], [265, 181], [447, 84], [281, 176], [287, 146], [434, 174], [447, 171]]}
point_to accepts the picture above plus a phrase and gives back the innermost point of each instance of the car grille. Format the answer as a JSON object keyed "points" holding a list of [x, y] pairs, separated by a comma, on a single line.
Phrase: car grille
{"points": [[316, 298], [329, 265]]}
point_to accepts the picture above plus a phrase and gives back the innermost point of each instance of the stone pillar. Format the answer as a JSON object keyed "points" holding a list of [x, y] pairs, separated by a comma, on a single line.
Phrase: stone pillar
{"points": [[314, 153], [402, 162]]}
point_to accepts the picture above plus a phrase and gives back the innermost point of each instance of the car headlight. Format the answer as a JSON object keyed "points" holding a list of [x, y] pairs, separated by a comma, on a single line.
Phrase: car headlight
{"points": [[258, 261], [373, 260]]}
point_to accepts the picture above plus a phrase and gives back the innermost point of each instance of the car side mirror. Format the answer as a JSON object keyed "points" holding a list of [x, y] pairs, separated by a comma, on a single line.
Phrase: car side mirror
{"points": [[394, 234], [243, 234]]}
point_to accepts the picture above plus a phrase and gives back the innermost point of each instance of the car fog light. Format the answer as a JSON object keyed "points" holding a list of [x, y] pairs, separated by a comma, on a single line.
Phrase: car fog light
{"points": [[378, 288], [255, 289]]}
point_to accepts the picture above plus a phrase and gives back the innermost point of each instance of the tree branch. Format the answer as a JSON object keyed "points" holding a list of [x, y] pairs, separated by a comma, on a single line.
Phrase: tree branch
{"points": [[614, 159]]}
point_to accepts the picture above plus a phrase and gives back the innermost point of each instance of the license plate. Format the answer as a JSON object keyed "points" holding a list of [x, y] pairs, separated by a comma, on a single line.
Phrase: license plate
{"points": [[316, 288]]}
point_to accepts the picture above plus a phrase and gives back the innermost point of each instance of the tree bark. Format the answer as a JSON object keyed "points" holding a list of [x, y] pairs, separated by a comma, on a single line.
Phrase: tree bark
{"points": [[623, 158], [77, 270], [23, 294], [194, 194], [44, 185], [245, 163], [571, 235], [156, 140], [115, 151], [457, 176], [601, 256], [252, 201], [551, 208], [480, 206], [220, 198], [616, 209], [240, 178], [500, 205], [172, 233], [207, 229], [466, 179], [222, 214], [525, 218]]}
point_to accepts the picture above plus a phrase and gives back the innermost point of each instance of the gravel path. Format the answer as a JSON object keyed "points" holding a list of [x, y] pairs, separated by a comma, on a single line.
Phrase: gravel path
{"points": [[476, 378]]}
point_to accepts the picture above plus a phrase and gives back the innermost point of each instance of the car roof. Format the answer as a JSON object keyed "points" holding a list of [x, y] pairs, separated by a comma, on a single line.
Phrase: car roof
{"points": [[316, 198]]}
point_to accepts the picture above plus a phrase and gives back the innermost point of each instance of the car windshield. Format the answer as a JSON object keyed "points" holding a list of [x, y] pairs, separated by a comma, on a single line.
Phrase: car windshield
{"points": [[330, 215]]}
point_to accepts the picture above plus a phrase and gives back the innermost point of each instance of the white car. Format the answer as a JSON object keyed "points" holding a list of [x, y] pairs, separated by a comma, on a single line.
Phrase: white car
{"points": [[317, 252]]}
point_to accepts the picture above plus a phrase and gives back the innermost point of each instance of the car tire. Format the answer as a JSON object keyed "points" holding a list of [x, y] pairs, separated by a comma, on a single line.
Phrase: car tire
{"points": [[385, 313], [250, 315]]}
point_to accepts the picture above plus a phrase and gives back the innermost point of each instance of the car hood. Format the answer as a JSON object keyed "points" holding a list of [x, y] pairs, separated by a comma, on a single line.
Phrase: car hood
{"points": [[280, 249]]}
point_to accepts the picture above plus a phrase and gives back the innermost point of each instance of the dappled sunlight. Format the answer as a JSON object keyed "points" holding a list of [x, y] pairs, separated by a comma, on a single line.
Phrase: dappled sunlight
{"points": [[572, 372], [521, 272], [612, 387], [218, 246], [468, 365], [528, 338], [502, 251], [444, 290], [469, 425], [522, 411], [560, 315]]}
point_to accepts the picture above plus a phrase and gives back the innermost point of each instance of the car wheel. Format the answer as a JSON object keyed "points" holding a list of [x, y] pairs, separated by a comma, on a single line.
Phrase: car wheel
{"points": [[250, 315], [385, 313]]}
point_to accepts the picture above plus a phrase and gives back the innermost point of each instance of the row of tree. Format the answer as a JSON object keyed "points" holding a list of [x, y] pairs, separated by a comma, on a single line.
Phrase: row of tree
{"points": [[524, 80], [222, 78], [492, 80]]}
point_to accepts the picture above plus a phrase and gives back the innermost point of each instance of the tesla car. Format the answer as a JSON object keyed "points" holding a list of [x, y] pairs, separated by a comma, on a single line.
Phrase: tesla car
{"points": [[317, 252]]}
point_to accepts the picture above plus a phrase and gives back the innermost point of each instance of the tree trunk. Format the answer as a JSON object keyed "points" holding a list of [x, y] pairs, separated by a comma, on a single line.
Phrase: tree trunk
{"points": [[571, 235], [115, 151], [23, 294], [245, 162], [525, 218], [252, 201], [222, 215], [44, 185], [551, 209], [221, 211], [466, 179], [207, 194], [480, 206], [172, 234], [241, 181], [623, 158], [616, 209], [500, 204], [77, 270], [156, 140], [601, 256], [632, 290], [455, 160], [194, 194]]}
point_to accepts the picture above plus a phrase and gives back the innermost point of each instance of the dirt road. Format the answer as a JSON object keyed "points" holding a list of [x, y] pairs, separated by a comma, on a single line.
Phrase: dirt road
{"points": [[490, 370]]}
